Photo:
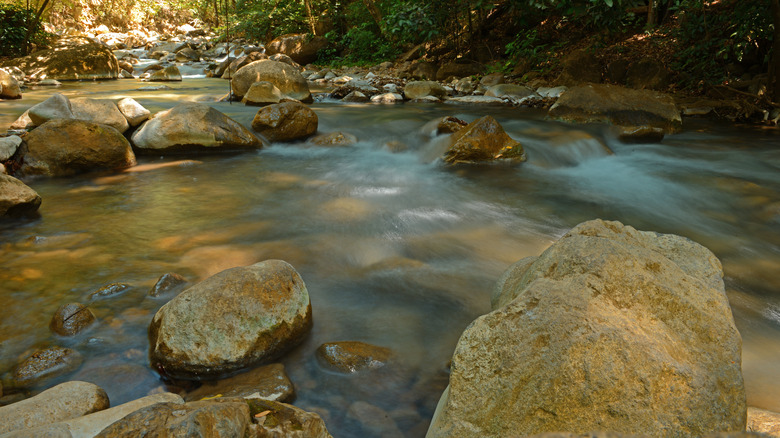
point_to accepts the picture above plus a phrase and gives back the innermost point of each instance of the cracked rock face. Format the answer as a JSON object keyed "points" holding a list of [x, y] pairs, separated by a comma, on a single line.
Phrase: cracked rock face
{"points": [[609, 329]]}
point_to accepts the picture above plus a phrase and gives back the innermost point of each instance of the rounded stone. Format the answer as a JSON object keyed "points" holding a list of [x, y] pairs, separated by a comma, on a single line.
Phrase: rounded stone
{"points": [[233, 320], [285, 77], [285, 121], [353, 356], [16, 198], [46, 364], [70, 319]]}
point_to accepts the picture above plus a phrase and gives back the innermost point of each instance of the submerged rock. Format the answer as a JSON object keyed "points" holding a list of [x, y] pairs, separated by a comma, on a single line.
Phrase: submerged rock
{"points": [[483, 140], [233, 320], [285, 77], [69, 59], [353, 356], [72, 318], [166, 283], [268, 382], [609, 329], [333, 139], [191, 127], [63, 147], [285, 121], [618, 106], [16, 198], [274, 419], [46, 364], [63, 402]]}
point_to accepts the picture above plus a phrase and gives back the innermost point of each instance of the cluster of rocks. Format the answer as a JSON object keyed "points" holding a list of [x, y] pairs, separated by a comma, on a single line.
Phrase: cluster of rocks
{"points": [[231, 322]]}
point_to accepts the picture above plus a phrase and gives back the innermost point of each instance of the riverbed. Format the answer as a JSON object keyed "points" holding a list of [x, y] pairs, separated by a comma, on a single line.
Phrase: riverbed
{"points": [[395, 248]]}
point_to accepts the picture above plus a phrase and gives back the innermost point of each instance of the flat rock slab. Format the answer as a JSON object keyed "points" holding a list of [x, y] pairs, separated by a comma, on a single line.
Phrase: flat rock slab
{"points": [[269, 382]]}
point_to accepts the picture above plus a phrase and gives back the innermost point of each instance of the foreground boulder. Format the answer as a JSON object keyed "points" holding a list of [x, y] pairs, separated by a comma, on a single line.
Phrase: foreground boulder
{"points": [[228, 417], [285, 121], [619, 106], [483, 140], [16, 198], [63, 402], [70, 59], [63, 147], [191, 127], [285, 77], [609, 329], [301, 47], [9, 86], [230, 321]]}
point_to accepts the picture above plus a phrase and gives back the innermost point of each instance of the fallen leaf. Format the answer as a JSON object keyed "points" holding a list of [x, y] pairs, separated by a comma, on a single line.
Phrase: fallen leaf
{"points": [[262, 414]]}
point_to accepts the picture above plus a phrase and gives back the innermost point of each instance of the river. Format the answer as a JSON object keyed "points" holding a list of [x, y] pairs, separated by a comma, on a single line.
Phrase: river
{"points": [[396, 249]]}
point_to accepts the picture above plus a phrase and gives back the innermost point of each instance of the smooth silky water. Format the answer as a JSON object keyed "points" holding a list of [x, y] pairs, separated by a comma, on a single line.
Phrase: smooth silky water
{"points": [[396, 249]]}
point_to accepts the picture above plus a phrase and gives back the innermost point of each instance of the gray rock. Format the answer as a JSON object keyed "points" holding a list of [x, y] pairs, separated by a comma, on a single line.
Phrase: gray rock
{"points": [[46, 364], [617, 105], [99, 111], [231, 321], [191, 127], [55, 107], [501, 90], [610, 329], [355, 97], [64, 147], [333, 139], [109, 290], [213, 418], [476, 100], [387, 98], [63, 402], [269, 382], [70, 319], [285, 77], [374, 420], [16, 198], [134, 112], [8, 146]]}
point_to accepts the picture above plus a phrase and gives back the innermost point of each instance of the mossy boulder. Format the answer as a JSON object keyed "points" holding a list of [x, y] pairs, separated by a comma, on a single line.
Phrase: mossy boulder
{"points": [[483, 140], [70, 59]]}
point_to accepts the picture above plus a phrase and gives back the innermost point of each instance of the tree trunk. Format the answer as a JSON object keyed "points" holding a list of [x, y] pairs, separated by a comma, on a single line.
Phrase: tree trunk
{"points": [[376, 14], [307, 4], [33, 26], [774, 66], [652, 10]]}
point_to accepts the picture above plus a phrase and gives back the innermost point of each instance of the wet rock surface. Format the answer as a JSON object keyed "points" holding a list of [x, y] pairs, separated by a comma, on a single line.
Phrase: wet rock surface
{"points": [[353, 356], [483, 140], [46, 364], [70, 319], [16, 198], [286, 121], [281, 420], [269, 382]]}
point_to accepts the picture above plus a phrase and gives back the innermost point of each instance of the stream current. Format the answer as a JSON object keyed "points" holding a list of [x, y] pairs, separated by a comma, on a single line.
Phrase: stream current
{"points": [[396, 249]]}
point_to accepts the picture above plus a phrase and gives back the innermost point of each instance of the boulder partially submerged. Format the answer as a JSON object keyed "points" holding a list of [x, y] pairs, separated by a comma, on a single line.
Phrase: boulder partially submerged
{"points": [[609, 329], [285, 77], [233, 320], [191, 126], [483, 140], [594, 103]]}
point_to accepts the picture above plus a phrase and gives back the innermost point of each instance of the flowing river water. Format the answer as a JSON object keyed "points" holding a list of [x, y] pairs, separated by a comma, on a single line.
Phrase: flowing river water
{"points": [[396, 249]]}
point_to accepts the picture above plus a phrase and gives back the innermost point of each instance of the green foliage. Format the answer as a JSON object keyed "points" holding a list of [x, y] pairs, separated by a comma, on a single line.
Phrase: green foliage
{"points": [[710, 39], [593, 14], [529, 48], [16, 22], [410, 22], [360, 45], [267, 19]]}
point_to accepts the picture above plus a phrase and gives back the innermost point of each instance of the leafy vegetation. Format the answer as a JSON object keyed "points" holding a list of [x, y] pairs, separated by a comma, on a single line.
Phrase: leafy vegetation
{"points": [[21, 28]]}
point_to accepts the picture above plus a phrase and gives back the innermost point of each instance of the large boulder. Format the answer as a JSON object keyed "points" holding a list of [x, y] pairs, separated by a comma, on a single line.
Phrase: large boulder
{"points": [[262, 93], [9, 87], [483, 140], [618, 105], [420, 89], [286, 78], [609, 329], [302, 48], [103, 111], [192, 126], [16, 198], [235, 319], [285, 121], [64, 147], [70, 59], [63, 402]]}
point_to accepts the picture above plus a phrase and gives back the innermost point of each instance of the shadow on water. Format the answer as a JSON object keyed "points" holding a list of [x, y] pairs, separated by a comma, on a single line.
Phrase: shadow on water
{"points": [[396, 250]]}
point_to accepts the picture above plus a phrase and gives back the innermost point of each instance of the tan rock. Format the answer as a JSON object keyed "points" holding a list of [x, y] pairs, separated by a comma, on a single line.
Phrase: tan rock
{"points": [[230, 321], [269, 382], [763, 421], [262, 93], [285, 121], [65, 401], [483, 140], [71, 319], [46, 364], [610, 329], [302, 48], [64, 147], [353, 356], [420, 89], [280, 420], [285, 77], [133, 111], [103, 111], [16, 198], [333, 139], [70, 59], [168, 74], [9, 87]]}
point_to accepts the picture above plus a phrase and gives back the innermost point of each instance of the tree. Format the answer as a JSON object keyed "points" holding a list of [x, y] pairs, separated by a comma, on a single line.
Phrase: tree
{"points": [[774, 66]]}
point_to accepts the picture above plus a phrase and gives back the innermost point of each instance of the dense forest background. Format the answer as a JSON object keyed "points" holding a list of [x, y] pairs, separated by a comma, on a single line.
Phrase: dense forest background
{"points": [[701, 42]]}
